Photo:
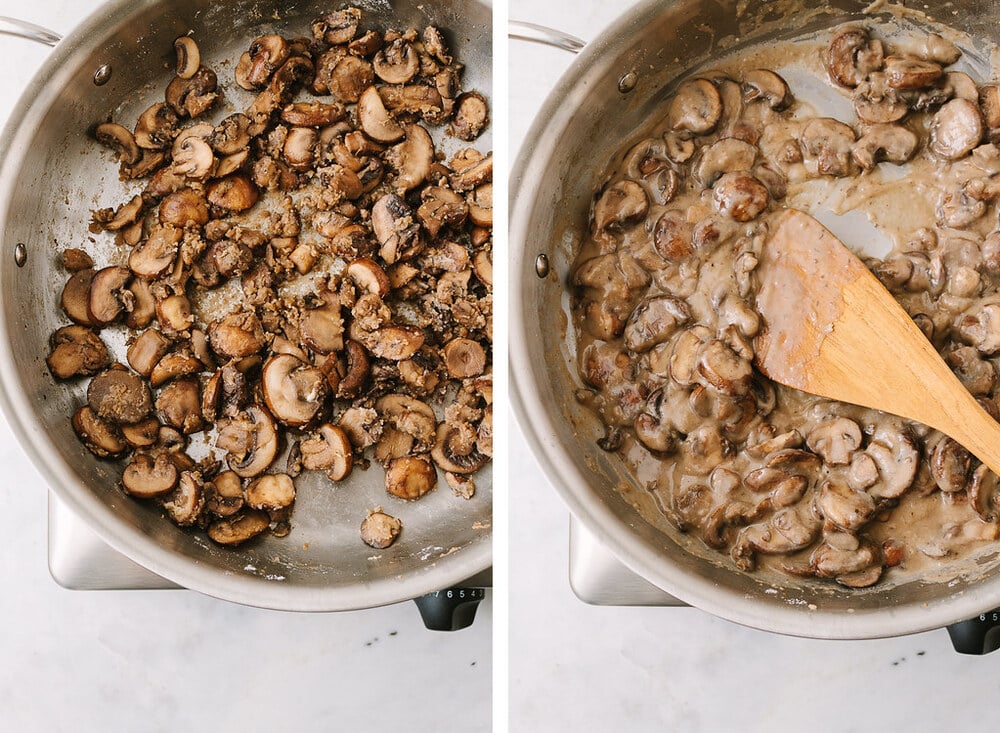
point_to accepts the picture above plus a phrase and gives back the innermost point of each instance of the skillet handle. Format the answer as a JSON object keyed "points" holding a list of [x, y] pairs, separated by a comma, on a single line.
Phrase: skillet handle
{"points": [[535, 33], [24, 29]]}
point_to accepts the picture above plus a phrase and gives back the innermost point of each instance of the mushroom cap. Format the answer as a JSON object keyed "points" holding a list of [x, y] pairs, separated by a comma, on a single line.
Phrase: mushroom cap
{"points": [[410, 477], [147, 476], [328, 450], [695, 107], [239, 528], [118, 395], [251, 439], [293, 390], [375, 119], [270, 492], [380, 530]]}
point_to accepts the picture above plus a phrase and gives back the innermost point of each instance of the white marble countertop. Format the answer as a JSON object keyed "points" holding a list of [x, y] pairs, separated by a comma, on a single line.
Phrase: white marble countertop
{"points": [[584, 668], [177, 660]]}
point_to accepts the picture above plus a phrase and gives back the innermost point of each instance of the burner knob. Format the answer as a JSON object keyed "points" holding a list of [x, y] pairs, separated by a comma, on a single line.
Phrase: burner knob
{"points": [[451, 609], [980, 635]]}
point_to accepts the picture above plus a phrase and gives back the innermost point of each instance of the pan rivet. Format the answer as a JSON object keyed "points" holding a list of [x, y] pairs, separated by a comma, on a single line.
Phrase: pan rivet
{"points": [[102, 75], [542, 266], [627, 83], [20, 254]]}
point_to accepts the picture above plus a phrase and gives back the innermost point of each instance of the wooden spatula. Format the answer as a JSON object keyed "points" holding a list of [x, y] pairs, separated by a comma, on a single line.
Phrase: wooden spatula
{"points": [[833, 330]]}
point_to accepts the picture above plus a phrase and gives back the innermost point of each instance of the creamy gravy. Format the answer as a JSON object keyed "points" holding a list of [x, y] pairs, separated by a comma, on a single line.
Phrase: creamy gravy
{"points": [[664, 316]]}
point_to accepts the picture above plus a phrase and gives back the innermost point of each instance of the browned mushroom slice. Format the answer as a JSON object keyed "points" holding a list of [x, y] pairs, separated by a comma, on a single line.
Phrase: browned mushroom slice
{"points": [[173, 313], [239, 528], [471, 116], [409, 477], [171, 366], [270, 492], [875, 102], [101, 437], [728, 155], [462, 486], [984, 493], [124, 216], [76, 351], [622, 205], [396, 63], [224, 494], [851, 56], [362, 425], [185, 503], [888, 142], [686, 354], [192, 96], [722, 369], [118, 395], [653, 427], [464, 358], [143, 434], [654, 321], [482, 266], [369, 276], [236, 336], [413, 99], [179, 405], [411, 159], [834, 440], [950, 464], [188, 57], [441, 207], [233, 193], [375, 119], [395, 343], [481, 205], [358, 368], [156, 127], [337, 27], [380, 530], [844, 507], [121, 140], [251, 440], [322, 328], [193, 158], [455, 449], [704, 448], [366, 44], [328, 450], [344, 77], [312, 114], [468, 175], [156, 255], [184, 208], [257, 65], [397, 231], [955, 129], [412, 425], [906, 72], [695, 107], [842, 553], [146, 477], [76, 295], [672, 236], [293, 390]]}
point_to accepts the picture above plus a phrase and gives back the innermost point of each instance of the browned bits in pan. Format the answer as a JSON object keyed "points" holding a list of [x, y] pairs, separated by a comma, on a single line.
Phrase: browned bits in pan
{"points": [[308, 272]]}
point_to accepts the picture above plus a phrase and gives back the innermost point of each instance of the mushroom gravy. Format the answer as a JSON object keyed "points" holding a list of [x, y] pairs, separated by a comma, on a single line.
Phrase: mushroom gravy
{"points": [[905, 170]]}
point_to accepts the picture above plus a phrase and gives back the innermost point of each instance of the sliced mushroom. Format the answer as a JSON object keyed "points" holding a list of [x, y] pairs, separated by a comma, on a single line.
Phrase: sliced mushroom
{"points": [[380, 530], [337, 27], [844, 507], [322, 328], [852, 56], [75, 297], [842, 553], [270, 492], [395, 343], [101, 437], [464, 358], [251, 440], [224, 494], [786, 531], [727, 155], [239, 528], [143, 434], [184, 208], [184, 503], [236, 192], [76, 351], [766, 85], [236, 336], [375, 119], [156, 127], [695, 107], [313, 114], [906, 72], [411, 159], [173, 313], [471, 116], [192, 96], [984, 493], [705, 448], [672, 236], [409, 477], [121, 140], [653, 426], [118, 395], [357, 372], [397, 62], [826, 146], [740, 196], [188, 57], [156, 255], [875, 102], [147, 477], [889, 142], [328, 450], [622, 205], [174, 365], [179, 405], [293, 390], [124, 216], [835, 440], [397, 231], [980, 327], [455, 449], [955, 129], [976, 374], [654, 321], [950, 464], [194, 159], [897, 459]]}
